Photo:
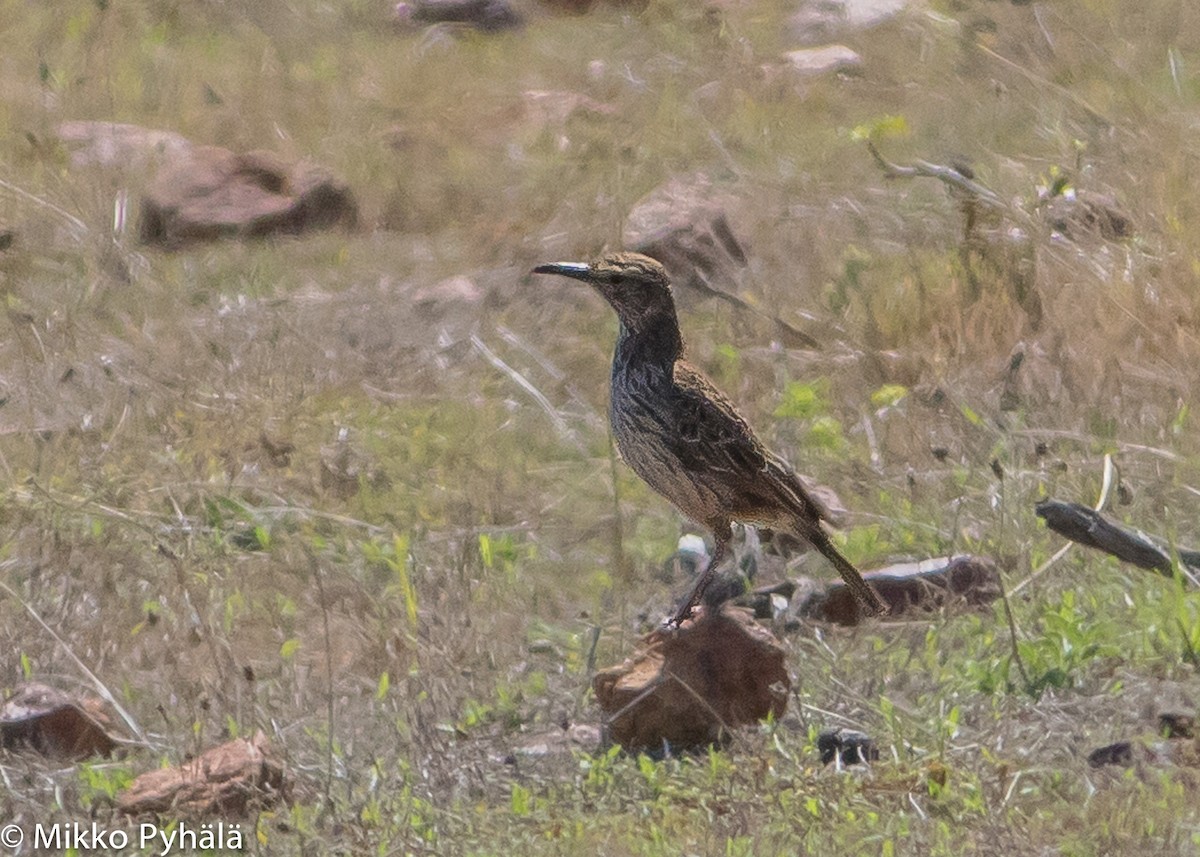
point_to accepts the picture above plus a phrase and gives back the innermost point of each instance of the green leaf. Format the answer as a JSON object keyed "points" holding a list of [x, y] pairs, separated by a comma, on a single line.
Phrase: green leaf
{"points": [[888, 395], [404, 580], [972, 417], [522, 801], [826, 433], [801, 401], [884, 126]]}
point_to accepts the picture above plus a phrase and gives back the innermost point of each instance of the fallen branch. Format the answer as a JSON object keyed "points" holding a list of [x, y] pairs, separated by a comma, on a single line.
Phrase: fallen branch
{"points": [[1088, 527], [947, 175]]}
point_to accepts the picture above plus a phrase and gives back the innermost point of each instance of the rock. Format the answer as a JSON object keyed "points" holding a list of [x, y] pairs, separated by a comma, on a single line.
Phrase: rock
{"points": [[690, 558], [688, 689], [683, 225], [810, 61], [345, 467], [1078, 215], [115, 144], [1088, 527], [769, 602], [847, 746], [907, 587], [579, 7], [232, 779], [819, 20], [1120, 753], [214, 193], [444, 296], [1175, 753], [55, 724], [485, 15], [554, 107], [1177, 725], [278, 450], [560, 742]]}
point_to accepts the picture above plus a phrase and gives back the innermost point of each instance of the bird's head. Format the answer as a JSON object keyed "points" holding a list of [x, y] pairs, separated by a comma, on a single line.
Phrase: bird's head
{"points": [[636, 286]]}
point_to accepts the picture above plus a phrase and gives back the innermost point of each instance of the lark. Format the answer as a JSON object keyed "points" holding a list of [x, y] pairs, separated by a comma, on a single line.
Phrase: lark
{"points": [[684, 438]]}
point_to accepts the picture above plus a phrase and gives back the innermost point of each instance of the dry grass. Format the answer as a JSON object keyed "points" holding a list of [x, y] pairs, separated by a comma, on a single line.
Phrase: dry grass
{"points": [[400, 630]]}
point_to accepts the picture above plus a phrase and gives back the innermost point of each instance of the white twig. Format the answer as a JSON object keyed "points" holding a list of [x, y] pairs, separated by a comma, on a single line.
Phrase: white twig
{"points": [[78, 225], [521, 381]]}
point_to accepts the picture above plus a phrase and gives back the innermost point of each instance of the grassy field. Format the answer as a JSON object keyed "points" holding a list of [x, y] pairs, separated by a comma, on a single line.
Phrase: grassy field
{"points": [[410, 595]]}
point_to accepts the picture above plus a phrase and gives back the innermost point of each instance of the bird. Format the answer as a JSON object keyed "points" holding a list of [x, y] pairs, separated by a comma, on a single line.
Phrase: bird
{"points": [[676, 430]]}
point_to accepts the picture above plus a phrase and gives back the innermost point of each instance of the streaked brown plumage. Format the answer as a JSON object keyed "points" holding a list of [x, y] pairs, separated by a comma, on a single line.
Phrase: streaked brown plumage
{"points": [[677, 431]]}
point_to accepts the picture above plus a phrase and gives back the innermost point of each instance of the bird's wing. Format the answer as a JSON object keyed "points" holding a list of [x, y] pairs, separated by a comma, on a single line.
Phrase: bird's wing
{"points": [[714, 438], [709, 429]]}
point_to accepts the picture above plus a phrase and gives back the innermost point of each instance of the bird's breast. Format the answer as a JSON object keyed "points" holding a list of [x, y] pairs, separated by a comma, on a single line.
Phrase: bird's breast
{"points": [[644, 412]]}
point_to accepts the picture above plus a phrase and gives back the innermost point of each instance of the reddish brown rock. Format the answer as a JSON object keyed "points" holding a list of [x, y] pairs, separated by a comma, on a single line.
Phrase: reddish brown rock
{"points": [[214, 193], [55, 724], [228, 780], [690, 688], [912, 586]]}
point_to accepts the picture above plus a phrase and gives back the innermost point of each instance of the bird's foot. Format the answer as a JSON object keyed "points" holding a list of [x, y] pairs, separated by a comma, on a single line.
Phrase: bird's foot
{"points": [[682, 615]]}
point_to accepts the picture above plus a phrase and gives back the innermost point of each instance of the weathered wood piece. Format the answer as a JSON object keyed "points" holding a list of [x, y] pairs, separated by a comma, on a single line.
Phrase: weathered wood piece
{"points": [[1088, 527]]}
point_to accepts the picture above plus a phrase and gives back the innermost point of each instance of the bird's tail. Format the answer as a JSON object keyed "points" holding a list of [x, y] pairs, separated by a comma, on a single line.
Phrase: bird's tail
{"points": [[867, 597]]}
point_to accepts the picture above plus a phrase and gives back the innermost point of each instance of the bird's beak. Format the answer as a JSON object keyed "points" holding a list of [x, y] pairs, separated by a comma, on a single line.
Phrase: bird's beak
{"points": [[575, 270]]}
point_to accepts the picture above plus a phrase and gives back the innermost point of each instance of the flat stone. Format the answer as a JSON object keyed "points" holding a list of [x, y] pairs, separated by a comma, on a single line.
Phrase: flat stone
{"points": [[813, 61], [818, 20]]}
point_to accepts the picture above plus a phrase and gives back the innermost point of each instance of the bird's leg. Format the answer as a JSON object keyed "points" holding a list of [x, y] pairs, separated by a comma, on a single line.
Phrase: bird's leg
{"points": [[721, 537]]}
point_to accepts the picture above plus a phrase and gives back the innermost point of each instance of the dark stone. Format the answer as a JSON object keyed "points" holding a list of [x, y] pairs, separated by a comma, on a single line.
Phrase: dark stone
{"points": [[1088, 527], [848, 746], [1177, 725], [1120, 753], [486, 15]]}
